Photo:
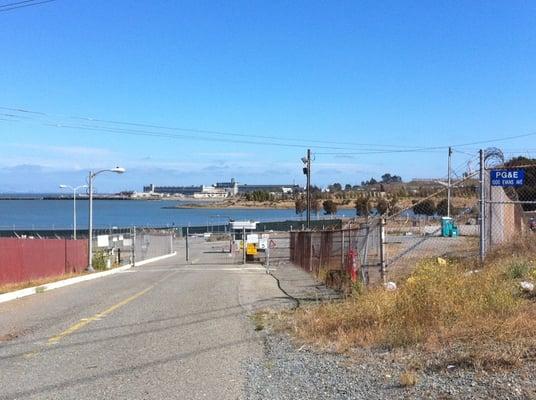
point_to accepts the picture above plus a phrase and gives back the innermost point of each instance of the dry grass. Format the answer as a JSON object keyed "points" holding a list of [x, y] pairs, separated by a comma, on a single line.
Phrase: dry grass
{"points": [[11, 287], [482, 315], [408, 378]]}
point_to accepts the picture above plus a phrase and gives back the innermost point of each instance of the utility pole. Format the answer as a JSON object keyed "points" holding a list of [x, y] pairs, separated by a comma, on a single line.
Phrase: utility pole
{"points": [[449, 182], [307, 171], [482, 208]]}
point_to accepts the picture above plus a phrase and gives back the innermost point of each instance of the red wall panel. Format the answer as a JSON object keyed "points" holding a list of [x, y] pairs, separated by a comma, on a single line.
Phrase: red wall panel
{"points": [[26, 259]]}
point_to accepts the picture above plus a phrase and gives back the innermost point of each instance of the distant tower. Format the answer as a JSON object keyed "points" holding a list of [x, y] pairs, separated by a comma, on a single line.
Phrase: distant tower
{"points": [[234, 185]]}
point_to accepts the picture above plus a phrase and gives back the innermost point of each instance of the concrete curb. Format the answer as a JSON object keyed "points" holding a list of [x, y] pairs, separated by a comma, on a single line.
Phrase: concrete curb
{"points": [[71, 281]]}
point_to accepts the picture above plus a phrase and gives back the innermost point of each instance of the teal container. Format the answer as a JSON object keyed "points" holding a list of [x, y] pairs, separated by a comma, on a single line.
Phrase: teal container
{"points": [[447, 225]]}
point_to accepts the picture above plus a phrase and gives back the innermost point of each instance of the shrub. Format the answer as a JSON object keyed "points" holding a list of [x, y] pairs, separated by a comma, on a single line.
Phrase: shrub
{"points": [[99, 260], [517, 269], [425, 207], [330, 207], [435, 304]]}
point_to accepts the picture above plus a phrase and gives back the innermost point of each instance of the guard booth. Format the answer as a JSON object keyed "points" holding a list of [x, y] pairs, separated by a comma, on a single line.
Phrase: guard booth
{"points": [[242, 235]]}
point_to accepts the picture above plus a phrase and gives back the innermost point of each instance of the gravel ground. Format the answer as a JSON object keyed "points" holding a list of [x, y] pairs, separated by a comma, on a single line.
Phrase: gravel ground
{"points": [[290, 372]]}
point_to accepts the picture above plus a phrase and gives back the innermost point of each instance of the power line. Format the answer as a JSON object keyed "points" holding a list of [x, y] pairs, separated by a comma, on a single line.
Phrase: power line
{"points": [[283, 142], [141, 132], [212, 132], [443, 147], [299, 143], [16, 3], [21, 4]]}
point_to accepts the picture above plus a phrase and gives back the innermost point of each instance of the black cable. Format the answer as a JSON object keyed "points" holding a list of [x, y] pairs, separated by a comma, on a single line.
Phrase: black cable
{"points": [[23, 5], [298, 304]]}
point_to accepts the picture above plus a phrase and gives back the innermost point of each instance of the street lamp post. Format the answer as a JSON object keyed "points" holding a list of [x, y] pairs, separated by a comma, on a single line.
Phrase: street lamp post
{"points": [[91, 176], [74, 189]]}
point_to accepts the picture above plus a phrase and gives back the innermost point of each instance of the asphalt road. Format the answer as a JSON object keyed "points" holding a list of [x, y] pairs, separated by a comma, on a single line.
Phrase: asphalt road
{"points": [[165, 330]]}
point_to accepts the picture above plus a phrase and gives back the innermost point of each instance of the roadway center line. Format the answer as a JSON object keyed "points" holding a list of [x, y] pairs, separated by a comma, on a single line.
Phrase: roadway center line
{"points": [[85, 321]]}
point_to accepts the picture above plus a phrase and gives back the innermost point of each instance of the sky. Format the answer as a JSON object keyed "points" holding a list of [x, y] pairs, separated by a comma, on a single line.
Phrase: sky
{"points": [[195, 92]]}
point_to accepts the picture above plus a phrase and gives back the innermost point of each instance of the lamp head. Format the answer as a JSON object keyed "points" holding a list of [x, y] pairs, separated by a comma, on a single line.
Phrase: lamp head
{"points": [[63, 186], [304, 160], [118, 170]]}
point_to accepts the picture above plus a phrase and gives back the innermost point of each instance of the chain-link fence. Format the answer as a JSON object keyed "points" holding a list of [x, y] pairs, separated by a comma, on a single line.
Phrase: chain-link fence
{"points": [[432, 221], [134, 245], [509, 203], [339, 257], [463, 217], [443, 224]]}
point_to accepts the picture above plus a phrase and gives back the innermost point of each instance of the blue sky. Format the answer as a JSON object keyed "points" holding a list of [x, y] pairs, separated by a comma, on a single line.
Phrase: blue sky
{"points": [[413, 74]]}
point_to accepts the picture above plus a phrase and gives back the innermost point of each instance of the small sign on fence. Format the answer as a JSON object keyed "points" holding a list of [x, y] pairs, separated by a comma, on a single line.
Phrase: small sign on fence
{"points": [[251, 249], [252, 238], [507, 177], [102, 241], [263, 243]]}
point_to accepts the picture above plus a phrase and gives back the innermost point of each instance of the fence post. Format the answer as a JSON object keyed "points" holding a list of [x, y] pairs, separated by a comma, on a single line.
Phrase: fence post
{"points": [[342, 250], [65, 258], [310, 234], [482, 209], [187, 252], [134, 246], [365, 263], [382, 250], [244, 245], [268, 258]]}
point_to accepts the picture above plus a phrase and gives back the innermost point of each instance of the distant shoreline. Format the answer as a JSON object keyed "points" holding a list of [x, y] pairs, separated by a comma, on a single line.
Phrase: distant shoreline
{"points": [[182, 203]]}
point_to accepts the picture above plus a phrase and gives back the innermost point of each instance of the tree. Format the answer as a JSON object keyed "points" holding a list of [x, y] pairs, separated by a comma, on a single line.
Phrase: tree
{"points": [[382, 206], [300, 206], [425, 207], [330, 207], [388, 178], [259, 195], [372, 181], [336, 187], [442, 207], [393, 205], [315, 205], [347, 187], [362, 206]]}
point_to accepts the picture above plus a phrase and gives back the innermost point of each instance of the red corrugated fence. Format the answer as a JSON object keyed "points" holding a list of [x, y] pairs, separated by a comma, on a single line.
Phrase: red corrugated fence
{"points": [[22, 260]]}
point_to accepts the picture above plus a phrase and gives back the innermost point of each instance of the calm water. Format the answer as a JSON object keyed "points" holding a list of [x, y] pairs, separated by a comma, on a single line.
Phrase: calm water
{"points": [[58, 214]]}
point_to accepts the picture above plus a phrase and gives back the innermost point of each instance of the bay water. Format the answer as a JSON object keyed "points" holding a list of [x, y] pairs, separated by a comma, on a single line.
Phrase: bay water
{"points": [[58, 214]]}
